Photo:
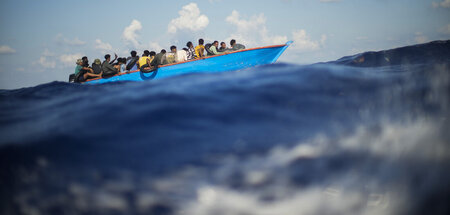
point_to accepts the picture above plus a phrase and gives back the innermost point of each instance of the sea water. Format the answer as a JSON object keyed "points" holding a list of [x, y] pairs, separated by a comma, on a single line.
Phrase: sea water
{"points": [[367, 134]]}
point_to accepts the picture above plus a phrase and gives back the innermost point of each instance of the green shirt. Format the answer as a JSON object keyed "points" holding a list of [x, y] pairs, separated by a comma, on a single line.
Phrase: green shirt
{"points": [[77, 69], [213, 50]]}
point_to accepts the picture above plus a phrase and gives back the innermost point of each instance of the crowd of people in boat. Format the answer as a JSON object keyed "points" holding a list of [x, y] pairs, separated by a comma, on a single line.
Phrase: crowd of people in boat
{"points": [[149, 61]]}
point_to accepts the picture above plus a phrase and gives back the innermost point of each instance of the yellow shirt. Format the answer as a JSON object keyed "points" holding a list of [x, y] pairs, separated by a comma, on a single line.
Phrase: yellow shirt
{"points": [[143, 61], [198, 50]]}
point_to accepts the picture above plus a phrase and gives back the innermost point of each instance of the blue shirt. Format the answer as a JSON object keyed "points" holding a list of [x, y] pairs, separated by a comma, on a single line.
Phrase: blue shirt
{"points": [[77, 69]]}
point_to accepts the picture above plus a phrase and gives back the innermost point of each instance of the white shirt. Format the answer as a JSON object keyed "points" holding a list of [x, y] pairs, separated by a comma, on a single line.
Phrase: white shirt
{"points": [[181, 56]]}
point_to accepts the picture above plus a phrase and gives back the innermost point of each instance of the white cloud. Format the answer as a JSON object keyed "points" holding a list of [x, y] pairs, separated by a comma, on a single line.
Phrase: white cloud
{"points": [[72, 42], [102, 46], [154, 46], [303, 42], [252, 31], [242, 24], [49, 60], [444, 4], [189, 19], [130, 33], [7, 50], [69, 60], [46, 63], [46, 60]]}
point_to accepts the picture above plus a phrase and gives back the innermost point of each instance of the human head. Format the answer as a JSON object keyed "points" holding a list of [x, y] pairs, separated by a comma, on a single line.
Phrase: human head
{"points": [[216, 43], [107, 57], [223, 45], [173, 48], [133, 53], [146, 53], [201, 41], [84, 58], [163, 51], [152, 53], [232, 42], [79, 61], [97, 61], [189, 44]]}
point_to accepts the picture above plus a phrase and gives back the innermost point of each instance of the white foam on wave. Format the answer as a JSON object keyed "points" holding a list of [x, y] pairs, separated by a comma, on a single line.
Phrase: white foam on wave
{"points": [[347, 193]]}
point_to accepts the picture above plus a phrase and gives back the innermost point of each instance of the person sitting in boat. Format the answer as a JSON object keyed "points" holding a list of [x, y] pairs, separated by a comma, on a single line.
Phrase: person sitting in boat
{"points": [[181, 55], [107, 68], [97, 66], [85, 61], [85, 64], [160, 58], [200, 49], [236, 46], [145, 62], [132, 60], [223, 47], [190, 51], [171, 56], [122, 62], [214, 47], [84, 73]]}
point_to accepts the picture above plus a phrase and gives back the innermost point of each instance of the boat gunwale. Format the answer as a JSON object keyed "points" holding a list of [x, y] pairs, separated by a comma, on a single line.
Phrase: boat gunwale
{"points": [[172, 64]]}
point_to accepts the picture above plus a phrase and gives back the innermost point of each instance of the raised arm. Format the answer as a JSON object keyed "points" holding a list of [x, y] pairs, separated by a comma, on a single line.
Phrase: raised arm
{"points": [[115, 58]]}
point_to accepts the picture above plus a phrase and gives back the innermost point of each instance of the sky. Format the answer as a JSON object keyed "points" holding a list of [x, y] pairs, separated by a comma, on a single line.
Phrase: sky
{"points": [[40, 41]]}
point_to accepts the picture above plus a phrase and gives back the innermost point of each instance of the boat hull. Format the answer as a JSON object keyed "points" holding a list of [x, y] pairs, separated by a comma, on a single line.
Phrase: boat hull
{"points": [[219, 63]]}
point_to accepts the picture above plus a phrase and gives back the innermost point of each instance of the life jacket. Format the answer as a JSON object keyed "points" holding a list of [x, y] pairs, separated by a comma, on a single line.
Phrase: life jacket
{"points": [[143, 61]]}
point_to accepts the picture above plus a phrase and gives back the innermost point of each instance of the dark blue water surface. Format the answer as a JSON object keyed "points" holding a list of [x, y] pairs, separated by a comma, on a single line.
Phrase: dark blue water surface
{"points": [[366, 134]]}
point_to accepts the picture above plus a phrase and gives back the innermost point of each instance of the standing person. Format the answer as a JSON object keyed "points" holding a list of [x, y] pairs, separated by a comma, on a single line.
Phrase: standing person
{"points": [[190, 51], [132, 60], [200, 49], [214, 47], [236, 46], [160, 58], [84, 73], [107, 68]]}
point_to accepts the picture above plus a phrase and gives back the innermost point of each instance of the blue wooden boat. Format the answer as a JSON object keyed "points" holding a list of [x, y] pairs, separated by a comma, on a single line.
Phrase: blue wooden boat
{"points": [[218, 63]]}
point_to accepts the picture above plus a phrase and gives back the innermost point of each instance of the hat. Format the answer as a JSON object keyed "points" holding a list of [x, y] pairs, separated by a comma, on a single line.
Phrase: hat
{"points": [[79, 61], [97, 61]]}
